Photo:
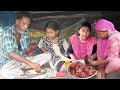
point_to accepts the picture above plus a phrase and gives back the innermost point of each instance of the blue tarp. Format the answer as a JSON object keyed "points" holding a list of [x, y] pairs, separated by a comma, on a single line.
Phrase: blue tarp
{"points": [[7, 18]]}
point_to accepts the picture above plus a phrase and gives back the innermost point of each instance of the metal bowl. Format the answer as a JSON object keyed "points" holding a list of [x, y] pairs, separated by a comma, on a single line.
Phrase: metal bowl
{"points": [[73, 77]]}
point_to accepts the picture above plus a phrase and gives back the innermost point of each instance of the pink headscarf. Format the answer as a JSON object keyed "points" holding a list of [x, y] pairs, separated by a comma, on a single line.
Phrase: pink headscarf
{"points": [[103, 25], [102, 46]]}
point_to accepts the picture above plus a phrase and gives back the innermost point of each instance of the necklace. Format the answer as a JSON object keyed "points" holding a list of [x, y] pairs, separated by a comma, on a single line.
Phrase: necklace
{"points": [[82, 40]]}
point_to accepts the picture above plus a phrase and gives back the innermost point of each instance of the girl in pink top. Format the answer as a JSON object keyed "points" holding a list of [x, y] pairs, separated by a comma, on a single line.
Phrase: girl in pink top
{"points": [[82, 44], [108, 48]]}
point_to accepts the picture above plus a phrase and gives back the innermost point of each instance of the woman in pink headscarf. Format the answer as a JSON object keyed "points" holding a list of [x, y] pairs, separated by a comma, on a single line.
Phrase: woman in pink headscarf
{"points": [[108, 48]]}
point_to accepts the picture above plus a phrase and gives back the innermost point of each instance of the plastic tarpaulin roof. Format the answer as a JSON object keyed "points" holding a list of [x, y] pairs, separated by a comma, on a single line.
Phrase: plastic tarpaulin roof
{"points": [[7, 18]]}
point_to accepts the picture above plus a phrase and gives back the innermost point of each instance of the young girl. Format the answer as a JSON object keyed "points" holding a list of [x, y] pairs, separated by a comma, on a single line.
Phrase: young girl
{"points": [[55, 44], [83, 44], [108, 48]]}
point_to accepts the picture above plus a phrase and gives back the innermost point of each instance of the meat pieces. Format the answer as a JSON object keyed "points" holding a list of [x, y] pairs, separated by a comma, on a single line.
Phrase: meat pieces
{"points": [[81, 70]]}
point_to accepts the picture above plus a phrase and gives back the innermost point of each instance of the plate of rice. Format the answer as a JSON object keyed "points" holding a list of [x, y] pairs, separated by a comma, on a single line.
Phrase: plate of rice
{"points": [[32, 71]]}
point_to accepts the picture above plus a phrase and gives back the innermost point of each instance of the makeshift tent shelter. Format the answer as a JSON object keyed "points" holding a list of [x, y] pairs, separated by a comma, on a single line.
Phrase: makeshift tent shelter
{"points": [[66, 32]]}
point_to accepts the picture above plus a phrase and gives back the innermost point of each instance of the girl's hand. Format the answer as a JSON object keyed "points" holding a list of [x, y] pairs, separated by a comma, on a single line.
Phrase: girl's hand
{"points": [[93, 63], [47, 52], [92, 57], [72, 57]]}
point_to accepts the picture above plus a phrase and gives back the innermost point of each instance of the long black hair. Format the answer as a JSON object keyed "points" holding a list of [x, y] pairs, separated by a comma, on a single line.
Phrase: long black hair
{"points": [[84, 24], [52, 25]]}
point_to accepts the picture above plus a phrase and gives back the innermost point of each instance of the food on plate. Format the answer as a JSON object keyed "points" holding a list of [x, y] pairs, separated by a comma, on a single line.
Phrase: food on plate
{"points": [[32, 71]]}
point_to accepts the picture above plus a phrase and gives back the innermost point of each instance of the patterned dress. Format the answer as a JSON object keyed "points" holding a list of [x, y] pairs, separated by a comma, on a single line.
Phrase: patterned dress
{"points": [[48, 45], [113, 53]]}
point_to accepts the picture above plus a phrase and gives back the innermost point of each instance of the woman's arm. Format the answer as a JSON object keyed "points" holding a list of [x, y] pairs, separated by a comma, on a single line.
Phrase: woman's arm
{"points": [[93, 57], [96, 63], [113, 47]]}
